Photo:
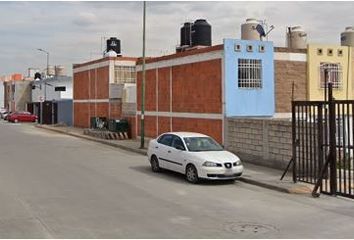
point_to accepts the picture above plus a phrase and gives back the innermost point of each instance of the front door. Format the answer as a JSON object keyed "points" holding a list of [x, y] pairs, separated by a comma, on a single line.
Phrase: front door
{"points": [[176, 155]]}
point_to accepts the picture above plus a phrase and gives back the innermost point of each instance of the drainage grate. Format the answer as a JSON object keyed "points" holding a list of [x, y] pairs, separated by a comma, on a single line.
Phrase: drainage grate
{"points": [[249, 227]]}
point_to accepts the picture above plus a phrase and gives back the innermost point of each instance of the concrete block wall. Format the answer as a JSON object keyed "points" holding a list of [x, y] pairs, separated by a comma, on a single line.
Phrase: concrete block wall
{"points": [[265, 142]]}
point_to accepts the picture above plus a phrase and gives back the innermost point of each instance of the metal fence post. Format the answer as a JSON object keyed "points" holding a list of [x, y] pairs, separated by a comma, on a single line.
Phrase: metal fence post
{"points": [[294, 145], [332, 140]]}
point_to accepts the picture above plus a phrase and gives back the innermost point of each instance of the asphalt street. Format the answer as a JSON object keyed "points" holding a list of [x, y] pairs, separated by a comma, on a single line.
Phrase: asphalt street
{"points": [[57, 186]]}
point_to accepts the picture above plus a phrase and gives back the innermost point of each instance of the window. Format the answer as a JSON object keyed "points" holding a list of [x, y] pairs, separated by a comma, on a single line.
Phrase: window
{"points": [[201, 144], [330, 52], [340, 52], [249, 73], [177, 142], [237, 47], [261, 48], [165, 139], [124, 74], [319, 51], [249, 48], [331, 72]]}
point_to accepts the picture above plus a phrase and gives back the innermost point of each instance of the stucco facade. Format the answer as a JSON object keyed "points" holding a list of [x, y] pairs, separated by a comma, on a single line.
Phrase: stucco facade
{"points": [[336, 55], [250, 100]]}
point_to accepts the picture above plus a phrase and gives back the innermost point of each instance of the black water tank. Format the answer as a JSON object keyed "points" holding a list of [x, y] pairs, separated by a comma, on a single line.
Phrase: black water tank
{"points": [[186, 34], [201, 33], [113, 44]]}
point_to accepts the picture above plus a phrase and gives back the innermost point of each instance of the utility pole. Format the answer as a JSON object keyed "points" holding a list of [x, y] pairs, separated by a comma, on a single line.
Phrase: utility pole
{"points": [[42, 80], [142, 130]]}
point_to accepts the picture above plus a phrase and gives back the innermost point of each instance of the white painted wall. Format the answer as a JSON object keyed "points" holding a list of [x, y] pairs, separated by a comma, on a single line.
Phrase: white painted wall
{"points": [[2, 94], [49, 90]]}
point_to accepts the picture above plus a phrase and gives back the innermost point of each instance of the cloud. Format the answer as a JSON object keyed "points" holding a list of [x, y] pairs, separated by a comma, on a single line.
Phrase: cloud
{"points": [[73, 31], [85, 19]]}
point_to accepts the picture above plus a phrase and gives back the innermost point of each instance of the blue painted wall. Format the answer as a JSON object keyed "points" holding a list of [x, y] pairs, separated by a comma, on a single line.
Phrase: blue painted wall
{"points": [[65, 111], [248, 102]]}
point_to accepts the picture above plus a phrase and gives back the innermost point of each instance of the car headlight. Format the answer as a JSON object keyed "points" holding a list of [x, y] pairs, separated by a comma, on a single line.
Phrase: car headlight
{"points": [[237, 163], [211, 164]]}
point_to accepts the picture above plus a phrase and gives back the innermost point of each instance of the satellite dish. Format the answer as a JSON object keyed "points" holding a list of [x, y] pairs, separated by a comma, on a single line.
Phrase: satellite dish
{"points": [[260, 30]]}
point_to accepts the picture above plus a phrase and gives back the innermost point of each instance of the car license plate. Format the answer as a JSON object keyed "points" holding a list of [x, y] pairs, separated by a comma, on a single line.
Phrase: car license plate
{"points": [[228, 173]]}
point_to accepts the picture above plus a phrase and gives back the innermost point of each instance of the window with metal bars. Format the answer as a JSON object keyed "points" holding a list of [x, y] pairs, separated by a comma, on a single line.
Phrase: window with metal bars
{"points": [[331, 72], [249, 73], [124, 74]]}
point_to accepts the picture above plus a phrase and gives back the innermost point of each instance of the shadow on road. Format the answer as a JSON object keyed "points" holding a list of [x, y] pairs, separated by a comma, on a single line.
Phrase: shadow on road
{"points": [[178, 177]]}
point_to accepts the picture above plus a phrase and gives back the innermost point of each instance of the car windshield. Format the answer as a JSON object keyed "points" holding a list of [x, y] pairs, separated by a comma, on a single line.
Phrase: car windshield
{"points": [[200, 144]]}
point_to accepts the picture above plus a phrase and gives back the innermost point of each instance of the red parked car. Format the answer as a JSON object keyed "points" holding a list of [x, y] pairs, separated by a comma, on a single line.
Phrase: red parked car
{"points": [[21, 117]]}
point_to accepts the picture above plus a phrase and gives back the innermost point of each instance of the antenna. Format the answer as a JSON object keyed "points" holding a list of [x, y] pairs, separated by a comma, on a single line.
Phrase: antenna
{"points": [[260, 29], [271, 29]]}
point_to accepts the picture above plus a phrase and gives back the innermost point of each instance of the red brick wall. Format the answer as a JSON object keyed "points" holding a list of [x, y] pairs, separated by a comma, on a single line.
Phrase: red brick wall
{"points": [[196, 88], [84, 111], [81, 83], [164, 89], [150, 126], [164, 125], [116, 110], [150, 90], [209, 127], [102, 83], [81, 115], [93, 84]]}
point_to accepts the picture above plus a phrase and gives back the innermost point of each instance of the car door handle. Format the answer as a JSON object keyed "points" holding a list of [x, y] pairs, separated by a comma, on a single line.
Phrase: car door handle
{"points": [[169, 151], [156, 147]]}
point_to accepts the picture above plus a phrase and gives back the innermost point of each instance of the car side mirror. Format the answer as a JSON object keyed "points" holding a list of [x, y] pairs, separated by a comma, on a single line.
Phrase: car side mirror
{"points": [[178, 147]]}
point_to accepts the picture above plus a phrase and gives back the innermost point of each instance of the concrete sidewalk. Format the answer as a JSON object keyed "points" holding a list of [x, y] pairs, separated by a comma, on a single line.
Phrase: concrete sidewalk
{"points": [[253, 174]]}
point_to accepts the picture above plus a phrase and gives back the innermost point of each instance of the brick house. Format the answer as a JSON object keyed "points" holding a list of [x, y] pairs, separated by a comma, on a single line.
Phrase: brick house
{"points": [[104, 88], [197, 90]]}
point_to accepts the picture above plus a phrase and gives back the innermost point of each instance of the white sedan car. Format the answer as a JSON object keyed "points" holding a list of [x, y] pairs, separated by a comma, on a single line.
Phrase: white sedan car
{"points": [[193, 154]]}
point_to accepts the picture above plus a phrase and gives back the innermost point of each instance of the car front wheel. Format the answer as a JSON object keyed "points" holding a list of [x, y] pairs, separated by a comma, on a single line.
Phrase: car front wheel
{"points": [[155, 167], [191, 174]]}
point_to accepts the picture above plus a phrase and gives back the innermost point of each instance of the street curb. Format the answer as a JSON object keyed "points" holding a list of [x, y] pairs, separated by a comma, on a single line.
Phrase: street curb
{"points": [[264, 185], [142, 152]]}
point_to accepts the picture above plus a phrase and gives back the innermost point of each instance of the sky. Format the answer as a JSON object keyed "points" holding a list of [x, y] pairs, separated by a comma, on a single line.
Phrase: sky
{"points": [[72, 32]]}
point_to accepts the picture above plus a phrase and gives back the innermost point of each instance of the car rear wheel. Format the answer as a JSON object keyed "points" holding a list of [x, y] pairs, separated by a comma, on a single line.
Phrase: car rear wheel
{"points": [[155, 167], [191, 174]]}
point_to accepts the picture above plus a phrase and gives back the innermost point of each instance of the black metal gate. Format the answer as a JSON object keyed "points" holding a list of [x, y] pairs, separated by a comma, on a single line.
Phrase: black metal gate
{"points": [[323, 137]]}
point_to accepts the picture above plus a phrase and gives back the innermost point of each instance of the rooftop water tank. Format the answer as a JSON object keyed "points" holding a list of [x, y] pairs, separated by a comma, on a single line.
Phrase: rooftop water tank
{"points": [[113, 43], [201, 33], [186, 34], [51, 70], [347, 37], [59, 70], [296, 37], [249, 31]]}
